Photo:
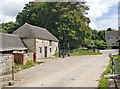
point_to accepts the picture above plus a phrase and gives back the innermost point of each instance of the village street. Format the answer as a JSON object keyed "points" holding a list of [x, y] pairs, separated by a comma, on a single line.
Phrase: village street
{"points": [[81, 71]]}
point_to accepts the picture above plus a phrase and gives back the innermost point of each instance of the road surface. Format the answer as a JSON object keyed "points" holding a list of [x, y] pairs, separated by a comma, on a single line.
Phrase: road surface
{"points": [[79, 71]]}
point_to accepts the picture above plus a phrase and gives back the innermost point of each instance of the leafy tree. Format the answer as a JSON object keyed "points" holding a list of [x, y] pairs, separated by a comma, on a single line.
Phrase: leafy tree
{"points": [[101, 35], [95, 34], [110, 29], [100, 44], [66, 20], [9, 27], [88, 43], [2, 30]]}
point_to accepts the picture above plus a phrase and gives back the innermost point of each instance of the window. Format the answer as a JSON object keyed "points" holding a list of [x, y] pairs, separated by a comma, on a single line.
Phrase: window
{"points": [[40, 49], [50, 49], [113, 44], [50, 43]]}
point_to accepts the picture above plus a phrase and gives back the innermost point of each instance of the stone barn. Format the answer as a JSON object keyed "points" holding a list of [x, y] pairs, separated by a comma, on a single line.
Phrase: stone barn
{"points": [[38, 40]]}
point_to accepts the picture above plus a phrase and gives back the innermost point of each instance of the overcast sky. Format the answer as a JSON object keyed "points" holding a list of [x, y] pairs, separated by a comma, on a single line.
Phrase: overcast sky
{"points": [[103, 13]]}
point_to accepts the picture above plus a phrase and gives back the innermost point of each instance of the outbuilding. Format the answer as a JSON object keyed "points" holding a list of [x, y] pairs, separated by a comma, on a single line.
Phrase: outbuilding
{"points": [[38, 40]]}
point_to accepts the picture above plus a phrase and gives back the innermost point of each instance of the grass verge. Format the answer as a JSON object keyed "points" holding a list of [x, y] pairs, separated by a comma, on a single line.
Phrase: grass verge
{"points": [[103, 82], [79, 52]]}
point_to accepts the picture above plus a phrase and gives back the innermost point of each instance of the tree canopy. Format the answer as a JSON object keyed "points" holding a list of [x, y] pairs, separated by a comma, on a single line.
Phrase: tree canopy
{"points": [[65, 20]]}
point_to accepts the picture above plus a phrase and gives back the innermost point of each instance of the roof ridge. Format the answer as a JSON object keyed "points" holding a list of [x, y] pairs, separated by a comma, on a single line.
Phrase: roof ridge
{"points": [[35, 31]]}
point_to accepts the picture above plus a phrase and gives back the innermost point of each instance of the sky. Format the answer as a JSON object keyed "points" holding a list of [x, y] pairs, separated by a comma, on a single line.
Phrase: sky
{"points": [[103, 13]]}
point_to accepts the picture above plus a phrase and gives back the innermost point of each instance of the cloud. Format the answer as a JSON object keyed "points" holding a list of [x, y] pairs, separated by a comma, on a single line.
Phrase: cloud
{"points": [[98, 9], [99, 13], [111, 21], [10, 8]]}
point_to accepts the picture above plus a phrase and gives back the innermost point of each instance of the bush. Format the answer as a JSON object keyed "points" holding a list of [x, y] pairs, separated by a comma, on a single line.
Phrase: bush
{"points": [[100, 44]]}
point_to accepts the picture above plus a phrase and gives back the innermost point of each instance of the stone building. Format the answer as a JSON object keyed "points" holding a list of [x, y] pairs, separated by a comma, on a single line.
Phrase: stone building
{"points": [[38, 40], [112, 37]]}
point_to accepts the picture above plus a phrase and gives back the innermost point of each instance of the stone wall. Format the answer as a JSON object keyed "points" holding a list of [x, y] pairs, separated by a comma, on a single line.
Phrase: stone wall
{"points": [[6, 62]]}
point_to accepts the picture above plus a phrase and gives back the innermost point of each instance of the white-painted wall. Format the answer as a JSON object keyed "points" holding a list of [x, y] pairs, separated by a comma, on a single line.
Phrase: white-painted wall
{"points": [[43, 44], [34, 45]]}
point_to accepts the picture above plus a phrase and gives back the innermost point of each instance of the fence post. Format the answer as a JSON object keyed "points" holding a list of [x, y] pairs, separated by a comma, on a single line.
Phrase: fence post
{"points": [[13, 69], [111, 64], [116, 64], [12, 72]]}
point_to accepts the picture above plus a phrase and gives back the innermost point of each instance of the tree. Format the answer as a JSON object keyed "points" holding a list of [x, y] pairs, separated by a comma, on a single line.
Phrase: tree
{"points": [[65, 20], [2, 30], [101, 35], [88, 43], [9, 27], [100, 44], [109, 29]]}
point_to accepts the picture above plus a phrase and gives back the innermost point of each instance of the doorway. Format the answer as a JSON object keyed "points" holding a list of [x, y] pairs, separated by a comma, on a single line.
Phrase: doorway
{"points": [[45, 51]]}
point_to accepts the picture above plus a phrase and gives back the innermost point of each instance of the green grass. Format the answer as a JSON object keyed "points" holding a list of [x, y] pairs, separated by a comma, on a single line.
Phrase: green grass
{"points": [[103, 82], [56, 54], [79, 52]]}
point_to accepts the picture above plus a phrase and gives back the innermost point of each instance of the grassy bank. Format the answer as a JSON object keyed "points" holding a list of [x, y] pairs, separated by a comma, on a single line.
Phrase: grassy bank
{"points": [[81, 51], [103, 83]]}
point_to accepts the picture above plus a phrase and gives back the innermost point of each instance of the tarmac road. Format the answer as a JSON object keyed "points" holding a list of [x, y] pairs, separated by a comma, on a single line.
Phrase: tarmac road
{"points": [[77, 71]]}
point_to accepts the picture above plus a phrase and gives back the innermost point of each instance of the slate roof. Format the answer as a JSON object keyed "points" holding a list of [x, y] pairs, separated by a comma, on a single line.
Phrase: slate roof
{"points": [[10, 42], [27, 31]]}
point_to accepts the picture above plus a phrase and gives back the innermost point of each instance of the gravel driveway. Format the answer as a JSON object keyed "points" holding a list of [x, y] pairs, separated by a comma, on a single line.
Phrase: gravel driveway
{"points": [[79, 71]]}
